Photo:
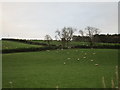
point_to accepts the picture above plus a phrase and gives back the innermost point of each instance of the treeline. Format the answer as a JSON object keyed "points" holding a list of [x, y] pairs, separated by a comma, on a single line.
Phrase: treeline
{"points": [[102, 38]]}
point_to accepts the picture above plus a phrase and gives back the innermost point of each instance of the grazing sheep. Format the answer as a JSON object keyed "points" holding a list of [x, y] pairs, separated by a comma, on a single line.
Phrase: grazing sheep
{"points": [[84, 57], [78, 59], [57, 87], [91, 60], [64, 63], [48, 50], [96, 64], [68, 58], [10, 82]]}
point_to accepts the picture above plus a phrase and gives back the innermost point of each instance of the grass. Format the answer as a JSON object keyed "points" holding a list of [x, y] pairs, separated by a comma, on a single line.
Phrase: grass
{"points": [[52, 42], [76, 43], [16, 45], [73, 43], [46, 69]]}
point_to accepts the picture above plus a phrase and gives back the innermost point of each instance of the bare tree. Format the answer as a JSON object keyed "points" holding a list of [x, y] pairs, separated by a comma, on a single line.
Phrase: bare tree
{"points": [[90, 32], [82, 34], [65, 35], [48, 39]]}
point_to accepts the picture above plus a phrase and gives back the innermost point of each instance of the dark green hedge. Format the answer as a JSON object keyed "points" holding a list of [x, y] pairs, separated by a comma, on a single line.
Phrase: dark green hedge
{"points": [[29, 49], [56, 47], [100, 46]]}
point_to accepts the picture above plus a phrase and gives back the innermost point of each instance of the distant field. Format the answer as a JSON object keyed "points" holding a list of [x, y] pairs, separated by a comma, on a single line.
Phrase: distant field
{"points": [[76, 43], [73, 43], [52, 42], [71, 68], [16, 45]]}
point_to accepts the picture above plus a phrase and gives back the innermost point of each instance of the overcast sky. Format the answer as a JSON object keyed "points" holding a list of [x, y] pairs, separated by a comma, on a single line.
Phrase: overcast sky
{"points": [[35, 20]]}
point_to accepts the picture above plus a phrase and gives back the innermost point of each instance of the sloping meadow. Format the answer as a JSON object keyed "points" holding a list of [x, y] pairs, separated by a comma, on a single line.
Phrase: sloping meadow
{"points": [[70, 68]]}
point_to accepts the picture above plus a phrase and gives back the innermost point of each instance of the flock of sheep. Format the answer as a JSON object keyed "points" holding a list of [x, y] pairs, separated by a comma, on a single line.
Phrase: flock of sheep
{"points": [[78, 59], [83, 58]]}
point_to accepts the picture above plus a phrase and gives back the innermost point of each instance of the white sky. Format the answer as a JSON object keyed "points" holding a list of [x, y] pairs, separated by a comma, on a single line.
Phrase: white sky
{"points": [[35, 20]]}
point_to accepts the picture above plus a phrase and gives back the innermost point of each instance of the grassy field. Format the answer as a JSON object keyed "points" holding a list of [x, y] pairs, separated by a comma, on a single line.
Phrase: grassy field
{"points": [[73, 43], [71, 68], [6, 45], [76, 43], [16, 45]]}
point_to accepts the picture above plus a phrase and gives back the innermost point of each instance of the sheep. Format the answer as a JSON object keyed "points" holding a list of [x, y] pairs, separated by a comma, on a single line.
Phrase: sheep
{"points": [[10, 82], [64, 63], [61, 49], [57, 87], [85, 53], [96, 64], [91, 60], [68, 58], [84, 57]]}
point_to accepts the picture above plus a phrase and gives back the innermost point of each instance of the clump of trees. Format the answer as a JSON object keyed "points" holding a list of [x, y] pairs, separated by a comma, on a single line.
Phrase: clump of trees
{"points": [[48, 39], [65, 35], [101, 38], [90, 32]]}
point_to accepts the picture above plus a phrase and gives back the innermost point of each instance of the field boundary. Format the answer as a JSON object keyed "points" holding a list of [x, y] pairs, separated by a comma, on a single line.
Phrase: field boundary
{"points": [[48, 48], [26, 41], [51, 47], [28, 49]]}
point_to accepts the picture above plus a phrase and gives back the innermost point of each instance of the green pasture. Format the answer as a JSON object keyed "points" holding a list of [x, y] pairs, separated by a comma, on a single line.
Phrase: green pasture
{"points": [[54, 42], [76, 43], [16, 45], [70, 68]]}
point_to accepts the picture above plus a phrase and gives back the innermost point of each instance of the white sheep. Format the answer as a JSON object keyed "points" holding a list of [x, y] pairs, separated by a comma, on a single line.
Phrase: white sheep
{"points": [[10, 82], [84, 57], [68, 58], [48, 50], [91, 60], [96, 64]]}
